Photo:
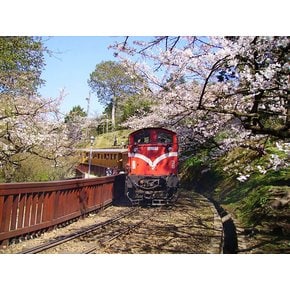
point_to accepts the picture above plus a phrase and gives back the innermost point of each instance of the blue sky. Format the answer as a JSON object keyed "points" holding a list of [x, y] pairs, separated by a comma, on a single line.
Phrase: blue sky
{"points": [[70, 67]]}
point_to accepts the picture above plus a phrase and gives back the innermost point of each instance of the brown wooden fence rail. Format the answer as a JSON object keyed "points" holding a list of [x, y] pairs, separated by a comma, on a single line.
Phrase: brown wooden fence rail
{"points": [[30, 207]]}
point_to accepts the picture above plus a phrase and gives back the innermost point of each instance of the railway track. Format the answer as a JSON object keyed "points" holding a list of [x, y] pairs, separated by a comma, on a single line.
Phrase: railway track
{"points": [[101, 236], [112, 236], [77, 234]]}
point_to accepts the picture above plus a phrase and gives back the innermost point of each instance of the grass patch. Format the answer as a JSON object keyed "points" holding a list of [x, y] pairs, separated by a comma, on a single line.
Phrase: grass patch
{"points": [[107, 140], [260, 202]]}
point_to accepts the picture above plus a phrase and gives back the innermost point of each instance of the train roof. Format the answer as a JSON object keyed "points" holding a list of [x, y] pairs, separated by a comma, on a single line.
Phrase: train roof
{"points": [[105, 150], [152, 128]]}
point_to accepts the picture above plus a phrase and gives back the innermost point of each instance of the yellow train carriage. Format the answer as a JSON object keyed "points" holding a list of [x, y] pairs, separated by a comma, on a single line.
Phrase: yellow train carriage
{"points": [[112, 158]]}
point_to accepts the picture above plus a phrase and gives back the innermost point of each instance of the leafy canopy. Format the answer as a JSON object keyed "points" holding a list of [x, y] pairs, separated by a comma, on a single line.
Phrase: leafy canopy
{"points": [[21, 64], [110, 81], [75, 112]]}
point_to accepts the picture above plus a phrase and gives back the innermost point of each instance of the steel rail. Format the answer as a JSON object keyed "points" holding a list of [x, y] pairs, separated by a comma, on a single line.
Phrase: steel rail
{"points": [[120, 233], [124, 231], [75, 235]]}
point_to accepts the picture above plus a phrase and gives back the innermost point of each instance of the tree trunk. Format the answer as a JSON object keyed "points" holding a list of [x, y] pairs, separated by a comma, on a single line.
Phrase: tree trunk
{"points": [[288, 113], [113, 113]]}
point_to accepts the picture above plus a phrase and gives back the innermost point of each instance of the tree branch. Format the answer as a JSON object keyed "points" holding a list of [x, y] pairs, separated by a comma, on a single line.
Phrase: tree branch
{"points": [[215, 66]]}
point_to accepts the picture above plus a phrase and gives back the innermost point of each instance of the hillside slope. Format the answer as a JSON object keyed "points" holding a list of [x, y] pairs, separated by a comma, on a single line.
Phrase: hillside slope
{"points": [[258, 201]]}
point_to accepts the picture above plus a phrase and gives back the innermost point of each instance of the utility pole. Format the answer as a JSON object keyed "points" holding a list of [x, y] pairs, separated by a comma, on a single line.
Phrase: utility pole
{"points": [[88, 99], [107, 123], [92, 139]]}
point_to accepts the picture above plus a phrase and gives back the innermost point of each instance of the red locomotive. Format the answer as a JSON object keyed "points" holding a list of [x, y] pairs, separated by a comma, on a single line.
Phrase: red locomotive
{"points": [[152, 166]]}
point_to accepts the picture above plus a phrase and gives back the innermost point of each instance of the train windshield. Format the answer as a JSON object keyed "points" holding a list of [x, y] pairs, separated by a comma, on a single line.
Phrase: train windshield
{"points": [[142, 138], [153, 136], [164, 137]]}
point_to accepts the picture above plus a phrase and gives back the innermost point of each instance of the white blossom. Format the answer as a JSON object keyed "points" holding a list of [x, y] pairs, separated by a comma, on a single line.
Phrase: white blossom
{"points": [[186, 80]]}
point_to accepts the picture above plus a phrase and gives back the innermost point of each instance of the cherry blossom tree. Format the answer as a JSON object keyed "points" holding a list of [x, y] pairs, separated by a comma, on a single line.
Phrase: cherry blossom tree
{"points": [[29, 123], [215, 91], [242, 77]]}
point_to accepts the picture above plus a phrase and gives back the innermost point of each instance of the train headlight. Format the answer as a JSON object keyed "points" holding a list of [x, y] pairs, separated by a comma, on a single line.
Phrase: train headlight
{"points": [[135, 149], [169, 148]]}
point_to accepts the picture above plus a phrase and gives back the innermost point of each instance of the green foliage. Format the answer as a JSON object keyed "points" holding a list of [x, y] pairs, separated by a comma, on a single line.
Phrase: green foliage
{"points": [[21, 108], [133, 106], [113, 85], [256, 194], [196, 173], [21, 63], [190, 171], [250, 201], [221, 135], [35, 168], [110, 81], [253, 208], [107, 140], [75, 112]]}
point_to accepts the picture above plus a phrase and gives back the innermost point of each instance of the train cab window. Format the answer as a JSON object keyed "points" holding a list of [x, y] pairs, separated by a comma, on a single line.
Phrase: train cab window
{"points": [[142, 138], [164, 138]]}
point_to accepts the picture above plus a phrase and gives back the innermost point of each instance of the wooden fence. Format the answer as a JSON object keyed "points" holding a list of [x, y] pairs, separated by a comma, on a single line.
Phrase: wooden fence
{"points": [[30, 207]]}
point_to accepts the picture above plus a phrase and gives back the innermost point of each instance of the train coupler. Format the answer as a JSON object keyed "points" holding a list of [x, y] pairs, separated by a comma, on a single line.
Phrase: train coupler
{"points": [[159, 202]]}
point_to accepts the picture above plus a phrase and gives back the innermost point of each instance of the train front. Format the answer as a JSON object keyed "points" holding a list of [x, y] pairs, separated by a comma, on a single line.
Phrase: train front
{"points": [[152, 166]]}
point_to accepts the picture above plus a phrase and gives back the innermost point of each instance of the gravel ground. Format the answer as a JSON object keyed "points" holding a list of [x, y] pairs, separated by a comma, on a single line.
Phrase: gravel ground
{"points": [[188, 227]]}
